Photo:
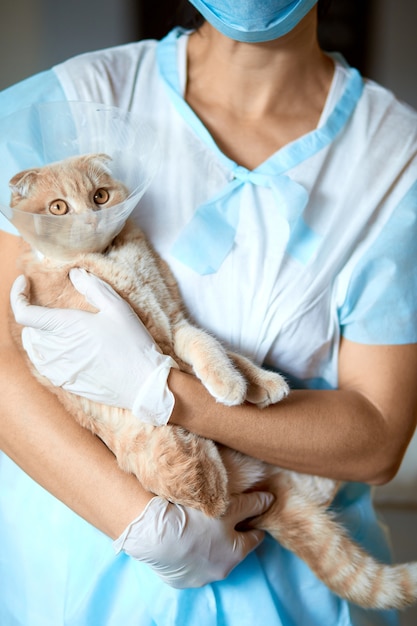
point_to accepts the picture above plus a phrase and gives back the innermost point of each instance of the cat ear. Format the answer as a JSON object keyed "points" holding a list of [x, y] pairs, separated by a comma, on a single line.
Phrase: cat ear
{"points": [[100, 158], [22, 183]]}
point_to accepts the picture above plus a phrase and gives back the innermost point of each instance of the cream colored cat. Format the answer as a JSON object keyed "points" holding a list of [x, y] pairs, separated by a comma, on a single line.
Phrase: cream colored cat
{"points": [[167, 460]]}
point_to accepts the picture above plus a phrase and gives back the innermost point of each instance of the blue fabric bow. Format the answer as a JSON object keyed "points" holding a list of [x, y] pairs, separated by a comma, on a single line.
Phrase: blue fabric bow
{"points": [[213, 226]]}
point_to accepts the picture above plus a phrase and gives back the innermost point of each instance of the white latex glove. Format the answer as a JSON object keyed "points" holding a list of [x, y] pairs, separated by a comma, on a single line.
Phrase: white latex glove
{"points": [[107, 356], [188, 549]]}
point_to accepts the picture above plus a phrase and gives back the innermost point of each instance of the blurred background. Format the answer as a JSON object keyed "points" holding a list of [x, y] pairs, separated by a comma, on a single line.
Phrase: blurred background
{"points": [[377, 36]]}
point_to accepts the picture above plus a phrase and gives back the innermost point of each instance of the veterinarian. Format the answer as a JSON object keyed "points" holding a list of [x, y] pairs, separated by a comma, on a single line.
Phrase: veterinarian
{"points": [[285, 205]]}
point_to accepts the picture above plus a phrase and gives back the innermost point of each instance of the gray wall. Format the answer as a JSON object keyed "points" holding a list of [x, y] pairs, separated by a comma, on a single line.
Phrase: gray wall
{"points": [[35, 34], [393, 47]]}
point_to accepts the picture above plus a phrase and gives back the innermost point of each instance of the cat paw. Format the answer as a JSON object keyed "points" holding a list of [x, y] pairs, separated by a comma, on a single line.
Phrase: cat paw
{"points": [[228, 387], [268, 388], [264, 387]]}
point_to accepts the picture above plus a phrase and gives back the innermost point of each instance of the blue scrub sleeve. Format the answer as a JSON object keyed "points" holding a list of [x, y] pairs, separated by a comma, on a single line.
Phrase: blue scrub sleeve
{"points": [[43, 87], [381, 302]]}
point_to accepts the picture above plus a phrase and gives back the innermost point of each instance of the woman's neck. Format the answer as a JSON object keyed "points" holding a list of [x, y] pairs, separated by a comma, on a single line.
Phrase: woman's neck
{"points": [[255, 98]]}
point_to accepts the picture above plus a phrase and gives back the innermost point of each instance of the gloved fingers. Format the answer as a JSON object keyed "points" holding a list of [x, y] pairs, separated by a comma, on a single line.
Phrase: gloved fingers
{"points": [[30, 341], [244, 507], [32, 315], [18, 287], [48, 362], [18, 299], [185, 547], [247, 505], [96, 291], [249, 540], [244, 543], [104, 298]]}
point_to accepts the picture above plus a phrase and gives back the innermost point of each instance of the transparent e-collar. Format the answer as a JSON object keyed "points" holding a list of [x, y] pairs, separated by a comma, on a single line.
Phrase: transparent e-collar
{"points": [[50, 132]]}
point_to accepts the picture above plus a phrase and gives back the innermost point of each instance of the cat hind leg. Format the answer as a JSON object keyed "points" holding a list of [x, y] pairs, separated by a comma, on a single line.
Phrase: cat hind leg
{"points": [[167, 460], [185, 469]]}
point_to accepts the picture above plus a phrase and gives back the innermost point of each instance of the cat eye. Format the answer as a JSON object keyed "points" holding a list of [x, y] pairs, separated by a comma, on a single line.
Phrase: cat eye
{"points": [[101, 196], [58, 207]]}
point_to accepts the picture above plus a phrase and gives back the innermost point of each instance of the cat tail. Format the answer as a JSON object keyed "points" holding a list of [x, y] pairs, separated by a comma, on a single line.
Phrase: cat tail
{"points": [[313, 534]]}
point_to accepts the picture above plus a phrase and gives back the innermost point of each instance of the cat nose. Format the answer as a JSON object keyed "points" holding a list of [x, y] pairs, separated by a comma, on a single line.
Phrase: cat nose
{"points": [[92, 220]]}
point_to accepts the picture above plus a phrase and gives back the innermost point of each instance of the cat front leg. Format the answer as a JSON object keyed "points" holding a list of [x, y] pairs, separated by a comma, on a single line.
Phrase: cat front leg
{"points": [[264, 387], [210, 363]]}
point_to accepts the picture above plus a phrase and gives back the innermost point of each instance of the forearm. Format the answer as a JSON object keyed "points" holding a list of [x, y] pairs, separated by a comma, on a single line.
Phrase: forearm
{"points": [[338, 434], [66, 459]]}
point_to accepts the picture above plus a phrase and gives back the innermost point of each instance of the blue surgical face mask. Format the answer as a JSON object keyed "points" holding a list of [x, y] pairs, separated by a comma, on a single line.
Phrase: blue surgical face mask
{"points": [[254, 20]]}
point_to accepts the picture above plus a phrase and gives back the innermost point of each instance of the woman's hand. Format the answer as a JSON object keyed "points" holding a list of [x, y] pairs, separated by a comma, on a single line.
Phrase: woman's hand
{"points": [[188, 549], [107, 356]]}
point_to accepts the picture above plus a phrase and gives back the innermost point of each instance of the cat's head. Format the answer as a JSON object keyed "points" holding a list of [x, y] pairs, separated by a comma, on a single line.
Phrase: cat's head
{"points": [[63, 208], [76, 185]]}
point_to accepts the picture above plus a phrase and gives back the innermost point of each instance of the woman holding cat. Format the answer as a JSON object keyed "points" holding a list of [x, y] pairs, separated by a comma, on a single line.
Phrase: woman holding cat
{"points": [[312, 272]]}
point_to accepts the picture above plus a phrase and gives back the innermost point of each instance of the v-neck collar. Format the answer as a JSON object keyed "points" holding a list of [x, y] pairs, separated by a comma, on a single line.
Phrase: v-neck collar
{"points": [[171, 58]]}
